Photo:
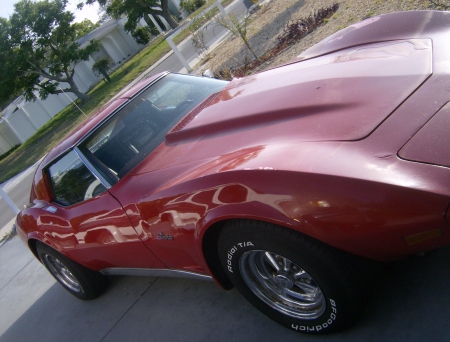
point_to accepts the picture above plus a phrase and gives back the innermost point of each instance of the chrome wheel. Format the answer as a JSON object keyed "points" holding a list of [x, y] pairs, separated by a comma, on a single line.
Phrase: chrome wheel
{"points": [[282, 284], [79, 280], [62, 273], [295, 280]]}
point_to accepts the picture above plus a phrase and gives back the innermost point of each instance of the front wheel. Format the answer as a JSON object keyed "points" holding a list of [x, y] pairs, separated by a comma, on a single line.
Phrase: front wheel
{"points": [[298, 282], [80, 281]]}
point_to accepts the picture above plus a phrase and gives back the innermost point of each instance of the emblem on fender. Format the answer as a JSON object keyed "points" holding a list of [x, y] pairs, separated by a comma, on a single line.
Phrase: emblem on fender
{"points": [[161, 236]]}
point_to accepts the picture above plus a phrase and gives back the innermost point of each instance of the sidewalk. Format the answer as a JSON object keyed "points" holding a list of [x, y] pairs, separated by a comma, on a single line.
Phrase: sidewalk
{"points": [[22, 178]]}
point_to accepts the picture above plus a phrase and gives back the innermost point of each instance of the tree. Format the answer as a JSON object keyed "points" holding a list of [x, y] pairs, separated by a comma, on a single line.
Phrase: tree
{"points": [[8, 68], [42, 40], [238, 27], [102, 66], [141, 35], [101, 12], [84, 28], [197, 31], [191, 5], [136, 10]]}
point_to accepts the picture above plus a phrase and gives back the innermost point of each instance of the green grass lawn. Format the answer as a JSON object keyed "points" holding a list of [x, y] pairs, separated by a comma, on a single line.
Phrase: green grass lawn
{"points": [[65, 121]]}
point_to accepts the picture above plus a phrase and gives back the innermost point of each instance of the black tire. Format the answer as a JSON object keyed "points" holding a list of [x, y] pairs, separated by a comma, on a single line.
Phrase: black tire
{"points": [[80, 281], [298, 282]]}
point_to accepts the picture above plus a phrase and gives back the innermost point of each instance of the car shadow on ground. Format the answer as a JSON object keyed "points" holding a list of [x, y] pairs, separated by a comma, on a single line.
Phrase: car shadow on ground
{"points": [[410, 303]]}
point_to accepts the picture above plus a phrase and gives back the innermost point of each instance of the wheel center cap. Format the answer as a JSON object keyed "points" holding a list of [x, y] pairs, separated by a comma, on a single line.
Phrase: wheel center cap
{"points": [[284, 281]]}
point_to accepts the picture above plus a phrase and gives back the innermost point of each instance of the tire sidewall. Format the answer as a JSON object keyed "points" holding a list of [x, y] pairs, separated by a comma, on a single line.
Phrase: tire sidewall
{"points": [[233, 246]]}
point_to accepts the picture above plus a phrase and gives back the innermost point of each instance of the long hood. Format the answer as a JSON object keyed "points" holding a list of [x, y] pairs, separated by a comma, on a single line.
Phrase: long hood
{"points": [[342, 96]]}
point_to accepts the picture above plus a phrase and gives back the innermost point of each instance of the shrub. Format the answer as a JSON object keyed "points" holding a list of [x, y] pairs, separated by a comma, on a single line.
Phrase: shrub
{"points": [[102, 66], [191, 5], [4, 155], [141, 35]]}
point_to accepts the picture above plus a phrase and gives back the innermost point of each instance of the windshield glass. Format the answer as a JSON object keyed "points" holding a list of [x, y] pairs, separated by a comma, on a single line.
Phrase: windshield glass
{"points": [[134, 131]]}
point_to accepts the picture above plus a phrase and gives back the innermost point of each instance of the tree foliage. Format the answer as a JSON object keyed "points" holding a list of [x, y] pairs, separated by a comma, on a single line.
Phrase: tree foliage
{"points": [[135, 10], [191, 5], [103, 16], [102, 66], [197, 31], [9, 75], [84, 28], [40, 45], [141, 35], [238, 27]]}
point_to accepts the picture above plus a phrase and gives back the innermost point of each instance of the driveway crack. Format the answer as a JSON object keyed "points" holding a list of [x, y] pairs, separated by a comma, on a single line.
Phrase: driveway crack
{"points": [[131, 307]]}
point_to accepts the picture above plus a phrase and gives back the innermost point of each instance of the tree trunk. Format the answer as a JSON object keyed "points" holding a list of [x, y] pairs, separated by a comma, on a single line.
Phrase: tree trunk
{"points": [[74, 89], [152, 25], [82, 96], [105, 74], [148, 20], [171, 21], [166, 14]]}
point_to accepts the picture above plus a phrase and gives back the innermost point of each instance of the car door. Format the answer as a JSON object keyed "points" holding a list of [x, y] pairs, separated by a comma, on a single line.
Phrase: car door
{"points": [[87, 223]]}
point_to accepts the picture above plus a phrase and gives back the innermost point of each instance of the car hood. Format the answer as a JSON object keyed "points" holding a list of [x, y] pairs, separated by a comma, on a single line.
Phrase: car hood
{"points": [[387, 27], [341, 96]]}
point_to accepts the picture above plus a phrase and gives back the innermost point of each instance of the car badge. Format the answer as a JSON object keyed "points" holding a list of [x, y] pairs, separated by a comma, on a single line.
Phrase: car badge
{"points": [[161, 236]]}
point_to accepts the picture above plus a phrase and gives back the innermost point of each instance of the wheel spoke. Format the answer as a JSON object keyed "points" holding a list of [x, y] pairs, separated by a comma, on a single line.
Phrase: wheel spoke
{"points": [[272, 261], [282, 284], [306, 287], [286, 264], [301, 275], [308, 300]]}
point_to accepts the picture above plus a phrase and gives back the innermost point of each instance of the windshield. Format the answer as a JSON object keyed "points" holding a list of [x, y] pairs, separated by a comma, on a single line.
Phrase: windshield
{"points": [[138, 128]]}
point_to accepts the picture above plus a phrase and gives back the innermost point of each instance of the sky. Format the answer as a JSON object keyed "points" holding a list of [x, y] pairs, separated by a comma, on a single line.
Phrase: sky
{"points": [[90, 12]]}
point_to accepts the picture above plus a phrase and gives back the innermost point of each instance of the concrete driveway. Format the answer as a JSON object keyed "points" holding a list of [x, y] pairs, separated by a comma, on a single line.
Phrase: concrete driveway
{"points": [[412, 303]]}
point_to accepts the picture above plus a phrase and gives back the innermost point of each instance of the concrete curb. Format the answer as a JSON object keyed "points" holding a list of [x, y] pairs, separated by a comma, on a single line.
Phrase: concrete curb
{"points": [[8, 231]]}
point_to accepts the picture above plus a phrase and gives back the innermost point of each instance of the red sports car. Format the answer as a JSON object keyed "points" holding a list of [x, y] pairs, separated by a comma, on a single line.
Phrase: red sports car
{"points": [[280, 183]]}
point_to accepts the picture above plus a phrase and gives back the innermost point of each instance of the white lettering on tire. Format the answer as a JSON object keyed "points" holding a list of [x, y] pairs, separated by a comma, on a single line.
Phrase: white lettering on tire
{"points": [[319, 327], [233, 250]]}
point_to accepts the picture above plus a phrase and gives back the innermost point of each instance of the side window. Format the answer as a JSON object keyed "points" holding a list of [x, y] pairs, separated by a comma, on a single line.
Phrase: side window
{"points": [[71, 180]]}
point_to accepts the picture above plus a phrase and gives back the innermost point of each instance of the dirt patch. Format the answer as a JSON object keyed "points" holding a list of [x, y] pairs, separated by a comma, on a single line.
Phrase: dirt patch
{"points": [[269, 21]]}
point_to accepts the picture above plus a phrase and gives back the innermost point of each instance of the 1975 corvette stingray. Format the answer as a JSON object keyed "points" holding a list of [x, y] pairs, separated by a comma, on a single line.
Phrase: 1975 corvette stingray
{"points": [[278, 183]]}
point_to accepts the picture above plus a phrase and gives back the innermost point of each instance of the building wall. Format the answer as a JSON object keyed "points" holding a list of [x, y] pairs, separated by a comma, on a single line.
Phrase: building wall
{"points": [[84, 77], [8, 139], [22, 124]]}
